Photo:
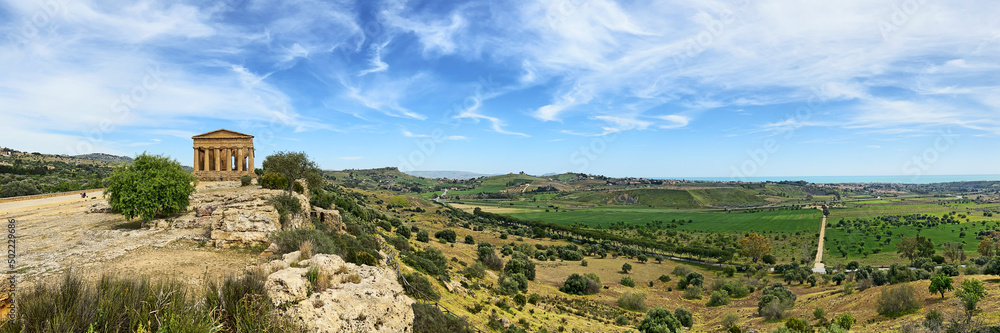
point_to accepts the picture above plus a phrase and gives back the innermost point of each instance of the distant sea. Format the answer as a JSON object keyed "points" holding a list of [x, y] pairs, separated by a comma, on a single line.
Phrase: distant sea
{"points": [[923, 179]]}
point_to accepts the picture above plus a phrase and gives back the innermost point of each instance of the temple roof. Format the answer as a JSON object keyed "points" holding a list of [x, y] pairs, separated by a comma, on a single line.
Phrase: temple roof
{"points": [[221, 133]]}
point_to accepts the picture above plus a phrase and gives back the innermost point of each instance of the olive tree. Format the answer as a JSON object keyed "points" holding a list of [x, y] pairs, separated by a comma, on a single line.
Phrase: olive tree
{"points": [[294, 165], [151, 186]]}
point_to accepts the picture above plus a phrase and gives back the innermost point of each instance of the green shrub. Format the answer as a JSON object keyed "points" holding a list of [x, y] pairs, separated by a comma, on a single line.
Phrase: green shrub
{"points": [[286, 205], [684, 317], [898, 301], [577, 284], [446, 234], [476, 270], [469, 239], [664, 278], [628, 282], [730, 320], [774, 301], [682, 270], [718, 298], [417, 286], [422, 236], [695, 279], [152, 186], [273, 181], [322, 199], [242, 305], [520, 300], [632, 301], [621, 320], [430, 261], [534, 298], [798, 325], [400, 243], [519, 263], [693, 292], [291, 240], [427, 318], [245, 180], [19, 188], [659, 320], [844, 320], [736, 289]]}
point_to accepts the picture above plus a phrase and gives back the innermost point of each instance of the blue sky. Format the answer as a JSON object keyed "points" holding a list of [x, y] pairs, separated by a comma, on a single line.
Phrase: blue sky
{"points": [[636, 88]]}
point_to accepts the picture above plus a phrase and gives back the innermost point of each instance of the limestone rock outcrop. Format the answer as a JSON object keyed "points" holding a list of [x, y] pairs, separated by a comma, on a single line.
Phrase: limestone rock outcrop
{"points": [[240, 217], [359, 298], [331, 218]]}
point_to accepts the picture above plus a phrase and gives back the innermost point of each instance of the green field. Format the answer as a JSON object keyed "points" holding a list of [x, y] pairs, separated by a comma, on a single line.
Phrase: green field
{"points": [[887, 252], [905, 208], [806, 220]]}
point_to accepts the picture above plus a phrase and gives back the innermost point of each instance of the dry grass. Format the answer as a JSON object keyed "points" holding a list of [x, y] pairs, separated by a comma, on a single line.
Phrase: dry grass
{"points": [[305, 250], [353, 278]]}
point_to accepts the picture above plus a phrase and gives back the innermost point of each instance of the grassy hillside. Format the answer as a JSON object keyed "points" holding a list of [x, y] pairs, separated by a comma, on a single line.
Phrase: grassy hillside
{"points": [[671, 198]]}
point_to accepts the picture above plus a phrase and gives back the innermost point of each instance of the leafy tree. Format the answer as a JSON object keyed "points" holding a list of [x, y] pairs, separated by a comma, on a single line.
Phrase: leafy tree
{"points": [[577, 284], [628, 281], [845, 321], [940, 284], [971, 292], [293, 165], [422, 236], [469, 239], [519, 263], [18, 188], [987, 247], [151, 186], [915, 247], [659, 320], [769, 259], [852, 265], [838, 278], [695, 279], [953, 251], [626, 267], [684, 316], [718, 298], [754, 246], [797, 325], [446, 234], [774, 300]]}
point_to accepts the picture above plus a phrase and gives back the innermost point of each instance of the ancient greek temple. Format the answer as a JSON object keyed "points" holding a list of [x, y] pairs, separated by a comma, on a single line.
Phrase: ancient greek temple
{"points": [[223, 154]]}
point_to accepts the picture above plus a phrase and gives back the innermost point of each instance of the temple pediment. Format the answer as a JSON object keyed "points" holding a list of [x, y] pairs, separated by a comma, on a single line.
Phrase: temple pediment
{"points": [[222, 134]]}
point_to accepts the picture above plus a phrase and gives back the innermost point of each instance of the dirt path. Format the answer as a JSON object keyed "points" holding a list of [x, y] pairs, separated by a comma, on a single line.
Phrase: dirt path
{"points": [[58, 234], [819, 266], [75, 197]]}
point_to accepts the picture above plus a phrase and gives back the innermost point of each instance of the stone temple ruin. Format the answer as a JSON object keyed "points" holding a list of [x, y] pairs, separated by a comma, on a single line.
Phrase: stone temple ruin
{"points": [[223, 155]]}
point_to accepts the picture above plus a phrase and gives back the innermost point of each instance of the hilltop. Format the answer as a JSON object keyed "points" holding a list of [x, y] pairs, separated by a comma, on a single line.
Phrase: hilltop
{"points": [[447, 174]]}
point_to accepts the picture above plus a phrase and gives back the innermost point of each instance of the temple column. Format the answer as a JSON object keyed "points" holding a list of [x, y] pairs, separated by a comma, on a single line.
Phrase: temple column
{"points": [[225, 159], [218, 158], [250, 167], [206, 166], [195, 163], [239, 159]]}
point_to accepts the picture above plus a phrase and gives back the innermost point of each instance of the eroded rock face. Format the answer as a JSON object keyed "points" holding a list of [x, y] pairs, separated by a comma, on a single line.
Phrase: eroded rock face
{"points": [[375, 303], [240, 218], [331, 218]]}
